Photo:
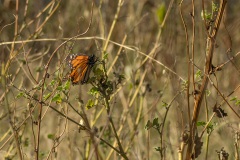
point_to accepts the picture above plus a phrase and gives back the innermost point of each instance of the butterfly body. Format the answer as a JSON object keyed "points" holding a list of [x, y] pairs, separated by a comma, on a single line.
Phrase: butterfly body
{"points": [[81, 66]]}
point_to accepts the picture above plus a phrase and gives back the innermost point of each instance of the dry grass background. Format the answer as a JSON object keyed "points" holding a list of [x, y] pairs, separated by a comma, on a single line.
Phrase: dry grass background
{"points": [[150, 52]]}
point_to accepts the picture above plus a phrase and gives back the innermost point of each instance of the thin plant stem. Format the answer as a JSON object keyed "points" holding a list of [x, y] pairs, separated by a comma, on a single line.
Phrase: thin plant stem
{"points": [[207, 70], [120, 3], [123, 154]]}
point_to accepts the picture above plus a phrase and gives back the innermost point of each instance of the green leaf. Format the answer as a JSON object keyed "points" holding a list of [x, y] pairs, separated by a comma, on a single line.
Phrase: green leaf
{"points": [[214, 7], [210, 128], [46, 96], [237, 102], [201, 123], [93, 91], [98, 72], [164, 104], [45, 86], [52, 83], [130, 85], [156, 123], [66, 85], [60, 88], [148, 125], [105, 56], [21, 94], [90, 104], [57, 98], [199, 74], [206, 14], [161, 12], [208, 92], [51, 136], [184, 84], [233, 99], [42, 155], [157, 149]]}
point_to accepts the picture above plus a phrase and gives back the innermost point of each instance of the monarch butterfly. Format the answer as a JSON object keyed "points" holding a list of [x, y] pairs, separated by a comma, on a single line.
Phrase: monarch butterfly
{"points": [[81, 66]]}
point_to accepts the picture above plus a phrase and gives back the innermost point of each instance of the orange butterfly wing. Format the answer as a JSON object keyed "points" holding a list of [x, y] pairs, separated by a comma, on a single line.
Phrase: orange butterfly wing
{"points": [[80, 67]]}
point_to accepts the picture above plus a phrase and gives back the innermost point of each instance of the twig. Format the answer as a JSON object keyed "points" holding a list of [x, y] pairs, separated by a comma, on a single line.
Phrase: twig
{"points": [[189, 76], [207, 70], [120, 3], [164, 120]]}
